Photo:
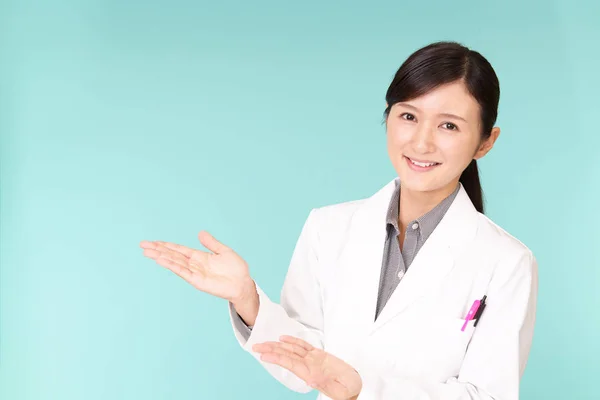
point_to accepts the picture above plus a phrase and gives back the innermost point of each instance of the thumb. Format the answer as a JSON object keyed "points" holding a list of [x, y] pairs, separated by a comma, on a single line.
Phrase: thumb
{"points": [[211, 243]]}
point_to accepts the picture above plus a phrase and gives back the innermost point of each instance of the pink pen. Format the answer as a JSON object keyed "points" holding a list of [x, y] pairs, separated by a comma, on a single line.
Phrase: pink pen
{"points": [[471, 313]]}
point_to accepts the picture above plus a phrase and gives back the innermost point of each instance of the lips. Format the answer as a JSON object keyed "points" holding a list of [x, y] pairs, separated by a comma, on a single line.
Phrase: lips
{"points": [[421, 165]]}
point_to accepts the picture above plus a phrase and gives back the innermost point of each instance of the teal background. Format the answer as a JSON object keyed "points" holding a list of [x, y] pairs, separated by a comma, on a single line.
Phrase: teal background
{"points": [[128, 120]]}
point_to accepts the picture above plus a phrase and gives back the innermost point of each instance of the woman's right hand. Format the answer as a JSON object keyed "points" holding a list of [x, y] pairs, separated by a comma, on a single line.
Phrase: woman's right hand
{"points": [[222, 273]]}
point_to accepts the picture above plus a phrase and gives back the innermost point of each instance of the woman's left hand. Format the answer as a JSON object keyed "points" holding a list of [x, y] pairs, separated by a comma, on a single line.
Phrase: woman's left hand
{"points": [[319, 369]]}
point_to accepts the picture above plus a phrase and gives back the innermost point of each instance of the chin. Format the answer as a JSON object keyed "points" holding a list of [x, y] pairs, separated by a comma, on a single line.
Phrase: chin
{"points": [[423, 184], [422, 187]]}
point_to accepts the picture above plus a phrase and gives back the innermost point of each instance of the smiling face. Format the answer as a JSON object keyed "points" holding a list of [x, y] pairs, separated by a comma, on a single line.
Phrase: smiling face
{"points": [[433, 138]]}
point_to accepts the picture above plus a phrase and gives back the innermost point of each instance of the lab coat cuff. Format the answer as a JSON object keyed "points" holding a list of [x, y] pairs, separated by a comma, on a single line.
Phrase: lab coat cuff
{"points": [[260, 331], [238, 324]]}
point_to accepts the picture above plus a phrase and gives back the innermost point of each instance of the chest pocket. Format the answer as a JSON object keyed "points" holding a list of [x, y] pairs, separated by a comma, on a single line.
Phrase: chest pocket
{"points": [[432, 347]]}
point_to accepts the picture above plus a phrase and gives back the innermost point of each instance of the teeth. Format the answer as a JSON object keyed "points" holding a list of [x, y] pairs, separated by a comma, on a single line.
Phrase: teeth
{"points": [[420, 164]]}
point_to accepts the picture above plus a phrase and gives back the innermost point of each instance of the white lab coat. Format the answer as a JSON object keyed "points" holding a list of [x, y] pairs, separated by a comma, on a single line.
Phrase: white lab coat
{"points": [[415, 349]]}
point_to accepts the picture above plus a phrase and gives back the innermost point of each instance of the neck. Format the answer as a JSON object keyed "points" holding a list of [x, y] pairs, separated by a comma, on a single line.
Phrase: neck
{"points": [[415, 204]]}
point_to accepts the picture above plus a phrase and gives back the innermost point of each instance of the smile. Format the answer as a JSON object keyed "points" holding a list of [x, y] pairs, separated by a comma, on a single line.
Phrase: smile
{"points": [[421, 165]]}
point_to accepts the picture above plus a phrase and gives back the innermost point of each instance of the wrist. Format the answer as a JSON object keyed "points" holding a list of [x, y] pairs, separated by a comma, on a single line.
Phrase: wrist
{"points": [[246, 304], [246, 293]]}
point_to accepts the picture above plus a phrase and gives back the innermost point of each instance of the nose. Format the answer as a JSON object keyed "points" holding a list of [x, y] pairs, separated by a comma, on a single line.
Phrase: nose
{"points": [[423, 139]]}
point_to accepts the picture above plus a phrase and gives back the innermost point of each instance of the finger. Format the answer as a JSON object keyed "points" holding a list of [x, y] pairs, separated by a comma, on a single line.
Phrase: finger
{"points": [[196, 258], [172, 254], [166, 247], [287, 353], [162, 252], [263, 347], [163, 259], [292, 349], [297, 341], [146, 244], [280, 348], [278, 359], [175, 267], [183, 250], [289, 363], [153, 254], [211, 243]]}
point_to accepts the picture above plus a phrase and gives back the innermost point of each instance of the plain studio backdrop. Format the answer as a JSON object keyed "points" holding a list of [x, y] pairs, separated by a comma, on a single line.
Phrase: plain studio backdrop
{"points": [[129, 120]]}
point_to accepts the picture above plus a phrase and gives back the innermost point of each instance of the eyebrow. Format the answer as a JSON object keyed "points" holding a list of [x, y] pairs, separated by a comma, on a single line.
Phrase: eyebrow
{"points": [[442, 114]]}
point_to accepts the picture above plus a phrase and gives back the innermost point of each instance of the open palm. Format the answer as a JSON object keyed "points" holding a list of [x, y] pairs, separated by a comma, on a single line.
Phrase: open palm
{"points": [[222, 273], [319, 369]]}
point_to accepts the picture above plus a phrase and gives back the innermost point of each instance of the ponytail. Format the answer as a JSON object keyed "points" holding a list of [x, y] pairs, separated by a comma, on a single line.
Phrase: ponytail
{"points": [[470, 181]]}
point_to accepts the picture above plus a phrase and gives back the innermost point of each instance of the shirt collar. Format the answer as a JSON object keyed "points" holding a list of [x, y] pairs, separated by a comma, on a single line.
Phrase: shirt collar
{"points": [[427, 222]]}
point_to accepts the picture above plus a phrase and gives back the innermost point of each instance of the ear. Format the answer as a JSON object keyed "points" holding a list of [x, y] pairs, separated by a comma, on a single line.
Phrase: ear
{"points": [[487, 145], [387, 116]]}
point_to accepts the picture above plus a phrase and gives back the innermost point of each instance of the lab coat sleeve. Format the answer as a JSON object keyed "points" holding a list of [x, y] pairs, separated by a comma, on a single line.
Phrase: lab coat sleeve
{"points": [[299, 313], [497, 354], [239, 324]]}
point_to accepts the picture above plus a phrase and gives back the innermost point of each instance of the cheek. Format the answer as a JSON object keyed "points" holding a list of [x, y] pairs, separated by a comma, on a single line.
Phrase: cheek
{"points": [[395, 148], [397, 137], [457, 151]]}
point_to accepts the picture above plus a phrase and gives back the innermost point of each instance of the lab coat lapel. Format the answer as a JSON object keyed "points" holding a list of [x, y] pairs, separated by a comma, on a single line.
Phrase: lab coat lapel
{"points": [[435, 259], [362, 259]]}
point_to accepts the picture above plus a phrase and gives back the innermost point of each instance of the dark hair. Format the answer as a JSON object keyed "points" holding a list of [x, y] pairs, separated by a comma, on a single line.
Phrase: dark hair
{"points": [[442, 63]]}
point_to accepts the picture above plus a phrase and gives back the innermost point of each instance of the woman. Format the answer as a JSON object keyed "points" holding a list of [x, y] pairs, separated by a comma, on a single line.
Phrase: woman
{"points": [[411, 293]]}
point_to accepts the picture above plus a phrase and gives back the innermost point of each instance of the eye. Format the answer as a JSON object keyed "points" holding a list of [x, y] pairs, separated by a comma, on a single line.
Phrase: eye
{"points": [[408, 116], [450, 126]]}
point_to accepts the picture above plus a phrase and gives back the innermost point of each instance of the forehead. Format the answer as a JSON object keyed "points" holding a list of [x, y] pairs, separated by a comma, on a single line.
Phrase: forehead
{"points": [[452, 98]]}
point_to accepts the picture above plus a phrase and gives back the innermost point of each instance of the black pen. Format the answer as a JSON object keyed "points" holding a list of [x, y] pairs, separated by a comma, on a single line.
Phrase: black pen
{"points": [[479, 310]]}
